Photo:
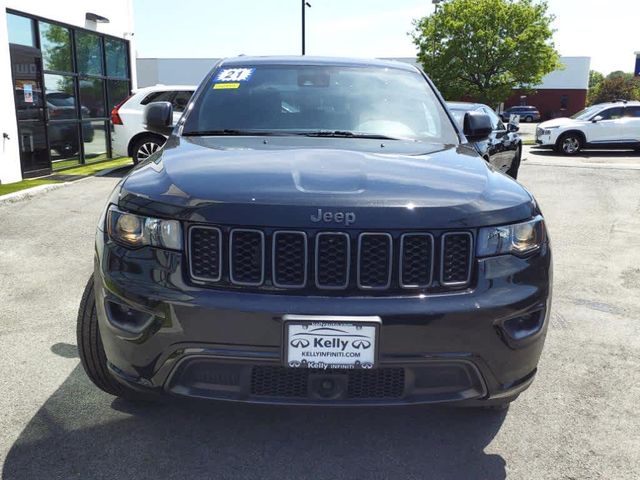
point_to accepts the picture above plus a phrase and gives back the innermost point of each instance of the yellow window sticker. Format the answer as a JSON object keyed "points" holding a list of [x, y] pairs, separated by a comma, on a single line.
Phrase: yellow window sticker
{"points": [[225, 86]]}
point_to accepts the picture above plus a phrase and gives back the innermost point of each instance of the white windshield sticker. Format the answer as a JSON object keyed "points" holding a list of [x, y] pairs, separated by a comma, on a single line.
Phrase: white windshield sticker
{"points": [[235, 75]]}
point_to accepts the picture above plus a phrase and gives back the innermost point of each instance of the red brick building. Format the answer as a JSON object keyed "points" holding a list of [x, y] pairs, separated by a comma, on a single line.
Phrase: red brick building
{"points": [[562, 93]]}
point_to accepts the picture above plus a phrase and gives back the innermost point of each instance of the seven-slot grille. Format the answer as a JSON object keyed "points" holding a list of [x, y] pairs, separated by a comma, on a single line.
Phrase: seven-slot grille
{"points": [[329, 260]]}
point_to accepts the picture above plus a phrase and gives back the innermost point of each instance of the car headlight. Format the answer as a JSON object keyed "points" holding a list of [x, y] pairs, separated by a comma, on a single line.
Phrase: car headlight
{"points": [[547, 131], [520, 239], [137, 231]]}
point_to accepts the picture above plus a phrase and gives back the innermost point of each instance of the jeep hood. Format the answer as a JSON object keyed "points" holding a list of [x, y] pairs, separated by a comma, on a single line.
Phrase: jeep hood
{"points": [[282, 181]]}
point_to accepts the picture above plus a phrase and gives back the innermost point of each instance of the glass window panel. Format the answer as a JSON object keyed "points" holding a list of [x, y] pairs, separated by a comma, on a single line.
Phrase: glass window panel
{"points": [[92, 98], [94, 135], [64, 143], [33, 146], [158, 97], [117, 57], [117, 91], [181, 100], [55, 43], [89, 53], [21, 30], [60, 96]]}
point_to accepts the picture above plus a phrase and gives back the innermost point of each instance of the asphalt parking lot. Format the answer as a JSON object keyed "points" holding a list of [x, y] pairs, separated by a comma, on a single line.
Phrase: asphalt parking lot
{"points": [[579, 420]]}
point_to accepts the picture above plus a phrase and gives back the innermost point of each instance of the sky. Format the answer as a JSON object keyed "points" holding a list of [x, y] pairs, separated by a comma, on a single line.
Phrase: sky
{"points": [[607, 31]]}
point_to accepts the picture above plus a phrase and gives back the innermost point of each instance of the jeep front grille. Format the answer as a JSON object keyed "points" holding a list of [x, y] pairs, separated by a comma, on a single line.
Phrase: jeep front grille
{"points": [[322, 262]]}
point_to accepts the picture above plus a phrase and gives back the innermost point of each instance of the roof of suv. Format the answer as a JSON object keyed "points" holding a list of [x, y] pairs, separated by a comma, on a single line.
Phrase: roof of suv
{"points": [[160, 87], [619, 103]]}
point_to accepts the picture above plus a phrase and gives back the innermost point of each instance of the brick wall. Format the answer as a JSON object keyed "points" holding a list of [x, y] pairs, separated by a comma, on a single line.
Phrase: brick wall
{"points": [[550, 102]]}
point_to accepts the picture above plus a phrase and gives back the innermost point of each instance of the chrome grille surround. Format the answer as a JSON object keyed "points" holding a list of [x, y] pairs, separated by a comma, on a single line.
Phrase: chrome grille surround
{"points": [[444, 263], [218, 246], [432, 247], [362, 253], [275, 260], [318, 273]]}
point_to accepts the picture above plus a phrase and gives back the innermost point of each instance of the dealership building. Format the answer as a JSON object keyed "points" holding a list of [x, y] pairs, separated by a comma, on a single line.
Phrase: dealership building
{"points": [[62, 68]]}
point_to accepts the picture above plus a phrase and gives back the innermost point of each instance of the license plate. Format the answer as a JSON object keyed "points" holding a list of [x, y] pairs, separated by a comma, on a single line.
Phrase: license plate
{"points": [[330, 342]]}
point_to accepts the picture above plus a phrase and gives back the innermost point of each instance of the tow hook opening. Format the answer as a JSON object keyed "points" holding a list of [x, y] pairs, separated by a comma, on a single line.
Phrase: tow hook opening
{"points": [[327, 386]]}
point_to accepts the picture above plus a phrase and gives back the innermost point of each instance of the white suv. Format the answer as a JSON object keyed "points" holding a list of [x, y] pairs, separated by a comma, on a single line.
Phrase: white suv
{"points": [[129, 137], [608, 125]]}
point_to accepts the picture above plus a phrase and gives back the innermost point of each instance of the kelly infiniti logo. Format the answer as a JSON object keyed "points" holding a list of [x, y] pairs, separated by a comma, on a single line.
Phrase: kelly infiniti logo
{"points": [[347, 218], [300, 343], [330, 338]]}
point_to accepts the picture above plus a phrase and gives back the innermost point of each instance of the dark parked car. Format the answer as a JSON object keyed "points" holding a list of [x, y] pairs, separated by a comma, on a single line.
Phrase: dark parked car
{"points": [[503, 148], [317, 231], [527, 114]]}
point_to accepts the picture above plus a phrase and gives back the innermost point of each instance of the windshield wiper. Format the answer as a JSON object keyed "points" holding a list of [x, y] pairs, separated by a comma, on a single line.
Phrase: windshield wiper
{"points": [[230, 132], [346, 134]]}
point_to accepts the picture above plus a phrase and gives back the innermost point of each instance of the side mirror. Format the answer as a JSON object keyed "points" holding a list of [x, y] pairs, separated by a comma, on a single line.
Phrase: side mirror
{"points": [[477, 126], [158, 118], [597, 118], [513, 128]]}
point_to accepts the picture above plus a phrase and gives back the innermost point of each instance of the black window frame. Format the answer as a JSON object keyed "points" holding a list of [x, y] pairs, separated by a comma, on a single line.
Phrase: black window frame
{"points": [[36, 19]]}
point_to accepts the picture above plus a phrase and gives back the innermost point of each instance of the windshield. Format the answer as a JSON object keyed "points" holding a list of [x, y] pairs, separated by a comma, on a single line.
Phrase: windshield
{"points": [[586, 113], [343, 101]]}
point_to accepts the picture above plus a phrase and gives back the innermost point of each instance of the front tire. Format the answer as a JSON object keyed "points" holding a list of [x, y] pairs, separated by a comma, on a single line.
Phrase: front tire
{"points": [[528, 119], [570, 144], [91, 350]]}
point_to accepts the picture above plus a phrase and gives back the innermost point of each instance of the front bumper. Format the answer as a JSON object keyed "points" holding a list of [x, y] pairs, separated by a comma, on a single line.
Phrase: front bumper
{"points": [[164, 335], [546, 140]]}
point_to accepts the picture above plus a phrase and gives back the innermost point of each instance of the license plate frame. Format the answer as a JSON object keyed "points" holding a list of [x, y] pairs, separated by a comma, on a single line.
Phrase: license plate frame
{"points": [[359, 329]]}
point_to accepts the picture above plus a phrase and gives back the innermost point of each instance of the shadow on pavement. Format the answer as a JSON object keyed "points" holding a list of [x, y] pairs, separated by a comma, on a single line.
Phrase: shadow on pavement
{"points": [[65, 350], [117, 172], [82, 433], [585, 154]]}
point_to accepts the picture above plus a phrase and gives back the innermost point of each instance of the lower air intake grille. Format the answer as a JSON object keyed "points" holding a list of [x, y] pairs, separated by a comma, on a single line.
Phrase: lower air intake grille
{"points": [[378, 383], [456, 258]]}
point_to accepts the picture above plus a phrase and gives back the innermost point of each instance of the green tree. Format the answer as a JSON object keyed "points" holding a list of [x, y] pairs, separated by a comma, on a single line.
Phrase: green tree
{"points": [[617, 86], [486, 48], [595, 79]]}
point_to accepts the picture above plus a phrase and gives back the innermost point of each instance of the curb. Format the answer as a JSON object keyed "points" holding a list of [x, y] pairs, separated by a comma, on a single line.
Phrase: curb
{"points": [[30, 192]]}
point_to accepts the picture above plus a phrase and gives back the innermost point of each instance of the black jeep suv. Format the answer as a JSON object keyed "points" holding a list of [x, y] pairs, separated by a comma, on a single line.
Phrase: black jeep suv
{"points": [[317, 231]]}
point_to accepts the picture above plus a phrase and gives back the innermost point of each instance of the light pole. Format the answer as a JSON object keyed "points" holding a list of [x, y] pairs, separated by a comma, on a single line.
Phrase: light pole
{"points": [[304, 6]]}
